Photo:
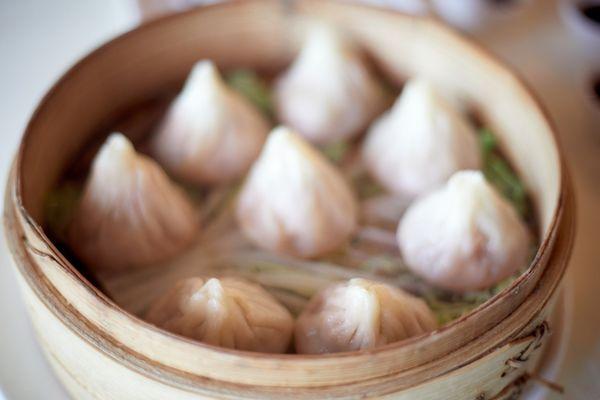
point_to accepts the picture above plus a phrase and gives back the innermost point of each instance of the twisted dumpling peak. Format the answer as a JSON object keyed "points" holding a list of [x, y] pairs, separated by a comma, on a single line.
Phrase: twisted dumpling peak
{"points": [[360, 314], [211, 133], [328, 93], [130, 213], [420, 142], [228, 312], [463, 236], [294, 201]]}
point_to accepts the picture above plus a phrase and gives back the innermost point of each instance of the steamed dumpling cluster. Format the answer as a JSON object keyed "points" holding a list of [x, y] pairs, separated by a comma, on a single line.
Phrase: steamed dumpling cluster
{"points": [[294, 201], [418, 144], [327, 94], [360, 314], [463, 236], [130, 214], [458, 233], [211, 134], [226, 312]]}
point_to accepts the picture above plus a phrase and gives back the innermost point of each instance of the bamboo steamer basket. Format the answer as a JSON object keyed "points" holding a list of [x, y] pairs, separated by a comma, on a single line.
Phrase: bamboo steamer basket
{"points": [[100, 351]]}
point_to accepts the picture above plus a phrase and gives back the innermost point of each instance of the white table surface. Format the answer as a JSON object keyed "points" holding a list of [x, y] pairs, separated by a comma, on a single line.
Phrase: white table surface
{"points": [[40, 39]]}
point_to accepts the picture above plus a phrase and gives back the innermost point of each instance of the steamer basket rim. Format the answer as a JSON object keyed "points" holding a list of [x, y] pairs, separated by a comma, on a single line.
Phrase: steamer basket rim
{"points": [[287, 6]]}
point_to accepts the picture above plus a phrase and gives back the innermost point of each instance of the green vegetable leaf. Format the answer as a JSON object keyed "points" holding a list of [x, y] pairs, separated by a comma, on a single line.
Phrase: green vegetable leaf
{"points": [[487, 141], [59, 207], [253, 87], [336, 151], [500, 174]]}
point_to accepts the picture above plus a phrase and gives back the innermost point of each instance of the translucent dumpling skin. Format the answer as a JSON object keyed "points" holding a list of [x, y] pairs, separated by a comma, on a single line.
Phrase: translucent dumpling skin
{"points": [[463, 236], [420, 142], [294, 201], [226, 312], [360, 314], [327, 94], [130, 214], [211, 134]]}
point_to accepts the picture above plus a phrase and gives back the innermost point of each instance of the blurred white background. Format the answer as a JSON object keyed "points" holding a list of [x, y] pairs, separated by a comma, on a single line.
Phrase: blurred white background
{"points": [[40, 39]]}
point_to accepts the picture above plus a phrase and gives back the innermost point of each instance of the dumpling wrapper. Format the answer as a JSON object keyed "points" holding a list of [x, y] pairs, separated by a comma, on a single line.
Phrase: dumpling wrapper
{"points": [[328, 94], [294, 201], [226, 312], [464, 236], [418, 144], [211, 134], [360, 314], [130, 214]]}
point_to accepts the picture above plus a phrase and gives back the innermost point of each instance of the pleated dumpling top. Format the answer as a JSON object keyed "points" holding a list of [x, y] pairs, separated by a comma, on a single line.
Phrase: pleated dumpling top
{"points": [[210, 134], [420, 142], [360, 314], [464, 236], [130, 214], [328, 94], [294, 201], [227, 312]]}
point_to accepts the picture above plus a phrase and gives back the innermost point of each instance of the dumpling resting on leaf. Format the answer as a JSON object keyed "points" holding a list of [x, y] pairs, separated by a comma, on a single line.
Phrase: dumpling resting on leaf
{"points": [[294, 201], [463, 236], [130, 213], [328, 94], [418, 144], [226, 312], [360, 314], [211, 133]]}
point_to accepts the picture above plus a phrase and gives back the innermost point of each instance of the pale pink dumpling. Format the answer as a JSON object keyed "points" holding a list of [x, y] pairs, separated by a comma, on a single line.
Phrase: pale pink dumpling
{"points": [[420, 142], [328, 94], [210, 134], [464, 236], [226, 312], [360, 314], [130, 214], [294, 201]]}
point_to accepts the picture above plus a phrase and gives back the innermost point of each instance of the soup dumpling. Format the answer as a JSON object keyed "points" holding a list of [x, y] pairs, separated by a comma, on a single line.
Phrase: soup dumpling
{"points": [[463, 236], [327, 94], [130, 213], [420, 142], [360, 314], [294, 201], [211, 134], [226, 312]]}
